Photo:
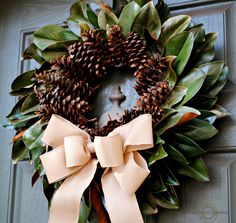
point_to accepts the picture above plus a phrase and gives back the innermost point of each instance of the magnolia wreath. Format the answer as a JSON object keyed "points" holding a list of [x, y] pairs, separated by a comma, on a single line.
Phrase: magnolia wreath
{"points": [[116, 173]]}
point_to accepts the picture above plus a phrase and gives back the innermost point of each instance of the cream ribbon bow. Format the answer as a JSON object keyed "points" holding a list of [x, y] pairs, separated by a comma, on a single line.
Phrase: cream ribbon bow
{"points": [[73, 159]]}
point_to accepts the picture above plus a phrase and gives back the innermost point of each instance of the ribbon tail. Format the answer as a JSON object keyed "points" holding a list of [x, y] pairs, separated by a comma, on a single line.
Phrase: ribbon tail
{"points": [[65, 205], [122, 207]]}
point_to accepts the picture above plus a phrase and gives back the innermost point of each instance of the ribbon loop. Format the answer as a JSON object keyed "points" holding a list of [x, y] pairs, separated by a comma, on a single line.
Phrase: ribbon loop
{"points": [[109, 150], [75, 151]]}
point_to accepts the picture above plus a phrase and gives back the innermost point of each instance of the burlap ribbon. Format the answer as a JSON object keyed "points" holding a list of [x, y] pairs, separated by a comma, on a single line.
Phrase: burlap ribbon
{"points": [[74, 158]]}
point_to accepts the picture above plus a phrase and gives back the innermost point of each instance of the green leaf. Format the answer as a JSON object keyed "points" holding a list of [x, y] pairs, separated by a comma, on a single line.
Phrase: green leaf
{"points": [[168, 177], [32, 137], [92, 17], [78, 26], [168, 199], [147, 18], [184, 114], [105, 18], [173, 26], [208, 116], [163, 10], [19, 151], [147, 209], [187, 146], [140, 2], [198, 130], [176, 96], [23, 80], [198, 33], [22, 91], [153, 45], [213, 71], [196, 170], [169, 73], [158, 155], [36, 152], [78, 9], [49, 35], [220, 83], [127, 17], [29, 102], [156, 184], [180, 45], [193, 81], [15, 112], [174, 154], [33, 52], [84, 211], [203, 102], [118, 6]]}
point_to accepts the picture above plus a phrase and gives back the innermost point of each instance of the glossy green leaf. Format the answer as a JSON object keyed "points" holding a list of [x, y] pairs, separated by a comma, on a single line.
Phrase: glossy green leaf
{"points": [[220, 111], [184, 114], [147, 209], [196, 170], [147, 18], [78, 9], [32, 52], [163, 10], [85, 210], [36, 152], [187, 146], [156, 184], [22, 91], [168, 177], [29, 102], [220, 83], [32, 137], [168, 199], [173, 26], [49, 35], [198, 32], [78, 26], [213, 71], [176, 95], [15, 112], [174, 154], [127, 17], [92, 17], [193, 81], [180, 45], [203, 102], [170, 74], [208, 116], [19, 151], [105, 18], [158, 155], [153, 45], [167, 112], [140, 2], [198, 130], [23, 80]]}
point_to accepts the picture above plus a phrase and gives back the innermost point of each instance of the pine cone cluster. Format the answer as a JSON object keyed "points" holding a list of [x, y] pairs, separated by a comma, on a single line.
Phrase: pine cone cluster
{"points": [[66, 88]]}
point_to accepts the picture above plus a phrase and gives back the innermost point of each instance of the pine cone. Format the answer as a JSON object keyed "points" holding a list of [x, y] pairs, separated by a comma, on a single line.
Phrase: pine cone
{"points": [[116, 45]]}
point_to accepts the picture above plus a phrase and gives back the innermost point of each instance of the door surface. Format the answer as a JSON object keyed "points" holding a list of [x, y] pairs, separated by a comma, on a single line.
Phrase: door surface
{"points": [[202, 202]]}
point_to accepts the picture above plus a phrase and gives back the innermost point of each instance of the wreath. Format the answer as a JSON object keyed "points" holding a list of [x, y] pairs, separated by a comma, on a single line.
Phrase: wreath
{"points": [[176, 79]]}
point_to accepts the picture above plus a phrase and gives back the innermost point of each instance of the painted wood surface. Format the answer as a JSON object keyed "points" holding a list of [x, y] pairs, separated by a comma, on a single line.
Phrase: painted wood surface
{"points": [[201, 202]]}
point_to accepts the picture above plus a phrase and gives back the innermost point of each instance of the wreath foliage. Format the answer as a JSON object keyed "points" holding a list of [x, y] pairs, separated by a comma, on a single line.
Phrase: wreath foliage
{"points": [[177, 81]]}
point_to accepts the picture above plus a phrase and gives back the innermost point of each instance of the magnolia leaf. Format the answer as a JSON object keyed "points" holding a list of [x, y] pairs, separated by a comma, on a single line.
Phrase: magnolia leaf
{"points": [[158, 155], [168, 199], [198, 32], [156, 184], [220, 111], [85, 210], [19, 151], [196, 170], [106, 17], [167, 112], [198, 130], [203, 102], [208, 116], [29, 102], [187, 146], [127, 17], [22, 91], [78, 26], [173, 26], [147, 18], [193, 81], [78, 9], [184, 114], [140, 2], [213, 71], [153, 45], [147, 209], [170, 74], [176, 155], [92, 17], [220, 83], [23, 80], [15, 112], [118, 6], [175, 97], [35, 152], [163, 10], [180, 45], [49, 35], [169, 178], [33, 52], [32, 136]]}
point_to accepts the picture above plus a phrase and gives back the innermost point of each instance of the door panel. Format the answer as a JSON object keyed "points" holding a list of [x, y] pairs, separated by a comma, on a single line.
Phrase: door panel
{"points": [[201, 202]]}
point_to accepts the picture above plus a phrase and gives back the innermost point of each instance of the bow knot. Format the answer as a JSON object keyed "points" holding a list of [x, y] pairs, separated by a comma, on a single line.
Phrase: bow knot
{"points": [[73, 159]]}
